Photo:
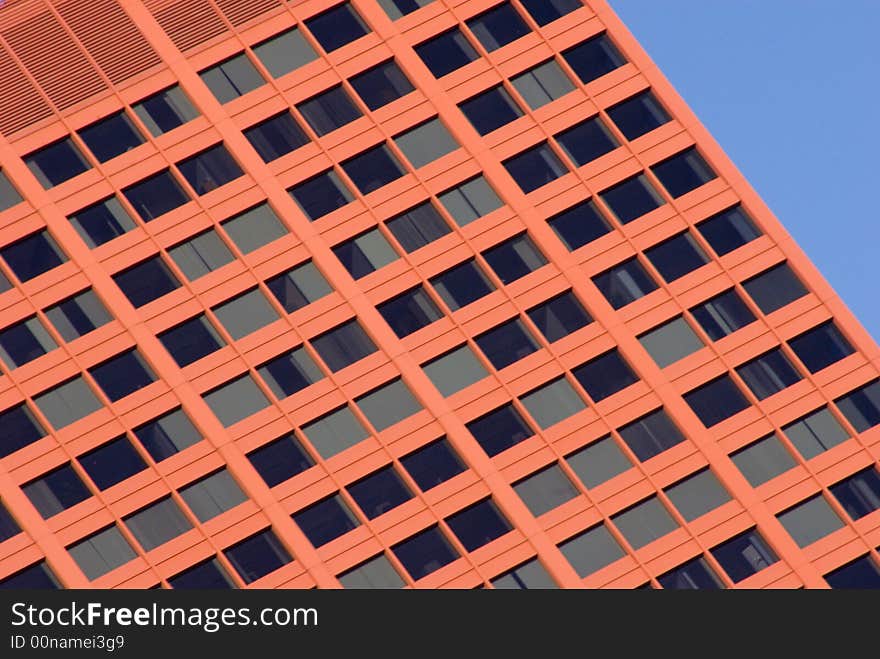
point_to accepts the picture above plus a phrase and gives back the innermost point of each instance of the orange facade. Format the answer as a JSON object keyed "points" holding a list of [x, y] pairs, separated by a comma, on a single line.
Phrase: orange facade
{"points": [[107, 56]]}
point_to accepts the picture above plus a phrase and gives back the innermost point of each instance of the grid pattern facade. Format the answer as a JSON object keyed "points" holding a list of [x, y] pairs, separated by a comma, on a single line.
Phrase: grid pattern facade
{"points": [[450, 293]]}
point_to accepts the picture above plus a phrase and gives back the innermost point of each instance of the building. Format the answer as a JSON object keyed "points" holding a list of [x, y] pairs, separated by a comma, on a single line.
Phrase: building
{"points": [[403, 292]]}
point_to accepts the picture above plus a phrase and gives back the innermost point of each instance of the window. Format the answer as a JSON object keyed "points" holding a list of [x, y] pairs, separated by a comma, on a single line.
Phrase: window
{"points": [[586, 141], [56, 491], [498, 27], [683, 172], [763, 460], [343, 345], [651, 435], [418, 227], [550, 404], [208, 170], [156, 195], [291, 372], [861, 573], [744, 555], [276, 136], [514, 258], [157, 524], [810, 520], [645, 522], [671, 342], [461, 285], [433, 464], [336, 27], [254, 228], [285, 52], [723, 314], [102, 222], [859, 495], [165, 111], [375, 573], [507, 343], [769, 374], [35, 577], [599, 462], [490, 110], [530, 575], [111, 136], [257, 556], [56, 163], [728, 230], [542, 84], [365, 253], [862, 406], [34, 255], [208, 575], [18, 428], [320, 195], [546, 11], [446, 53], [8, 527], [298, 287], [23, 342], [329, 110], [236, 400], [425, 552], [192, 340], [559, 316], [245, 313], [400, 8], [638, 115], [168, 435], [213, 495], [591, 550], [388, 405], [9, 196], [478, 525], [579, 225], [693, 575], [500, 429], [632, 198], [470, 201], [535, 167], [326, 520], [605, 375], [233, 78], [379, 492], [624, 283], [409, 312], [716, 401], [455, 370], [815, 433], [774, 288], [335, 432], [101, 552], [821, 346], [123, 375], [200, 255], [697, 495], [280, 460], [373, 169], [426, 143], [545, 490], [594, 58], [381, 84], [676, 257], [112, 463], [67, 403]]}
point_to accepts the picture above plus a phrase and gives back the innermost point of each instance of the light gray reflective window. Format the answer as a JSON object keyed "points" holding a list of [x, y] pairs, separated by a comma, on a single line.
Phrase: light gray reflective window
{"points": [[67, 402], [426, 143], [386, 406], [365, 253], [157, 524], [9, 196], [168, 435], [236, 400], [542, 84], [246, 313], [201, 255], [528, 576], [24, 342], [651, 435], [233, 78], [763, 460], [335, 432], [599, 462], [213, 495], [591, 551], [810, 521], [670, 342], [552, 403], [298, 287], [102, 552], [375, 573], [254, 228], [455, 370], [697, 495], [815, 433], [165, 111], [645, 522], [545, 490], [285, 52], [470, 201], [344, 345]]}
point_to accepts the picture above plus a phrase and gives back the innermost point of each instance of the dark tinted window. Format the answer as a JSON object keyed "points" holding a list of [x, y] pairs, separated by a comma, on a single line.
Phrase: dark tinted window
{"points": [[545, 11], [447, 52], [123, 375], [579, 225], [418, 227], [276, 136], [8, 527], [400, 8], [156, 195], [379, 492], [409, 312], [490, 110], [280, 459], [18, 428], [683, 172], [291, 372], [693, 575], [462, 285], [257, 556], [326, 520], [232, 78], [723, 314], [514, 258], [716, 401], [500, 429], [594, 58], [102, 222], [862, 406], [535, 167], [192, 340], [56, 163], [298, 287], [624, 283], [586, 141], [821, 346], [338, 26], [478, 525], [676, 257], [651, 435], [365, 253], [861, 573], [728, 230], [498, 27], [209, 575], [35, 577], [774, 288], [321, 194], [744, 555], [560, 316], [632, 198], [168, 435], [210, 169], [605, 375], [344, 345], [111, 137], [425, 552], [34, 255], [329, 110], [507, 343], [112, 463], [638, 115], [433, 464], [859, 494], [24, 342], [768, 374], [78, 315], [372, 169], [56, 491], [381, 85], [165, 111]]}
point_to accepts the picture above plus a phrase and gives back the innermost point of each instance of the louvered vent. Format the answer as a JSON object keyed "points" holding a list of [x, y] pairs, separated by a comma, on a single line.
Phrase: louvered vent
{"points": [[20, 102], [239, 12], [188, 22]]}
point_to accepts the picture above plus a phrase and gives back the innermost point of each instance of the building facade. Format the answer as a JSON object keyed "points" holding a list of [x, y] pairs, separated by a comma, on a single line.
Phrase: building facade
{"points": [[386, 293]]}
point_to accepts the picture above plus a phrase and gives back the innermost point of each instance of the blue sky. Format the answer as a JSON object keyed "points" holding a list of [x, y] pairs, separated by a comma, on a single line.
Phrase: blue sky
{"points": [[807, 136]]}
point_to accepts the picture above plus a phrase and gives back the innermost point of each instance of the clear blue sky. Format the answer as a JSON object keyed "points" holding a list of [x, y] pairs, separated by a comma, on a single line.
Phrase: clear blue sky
{"points": [[807, 135]]}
